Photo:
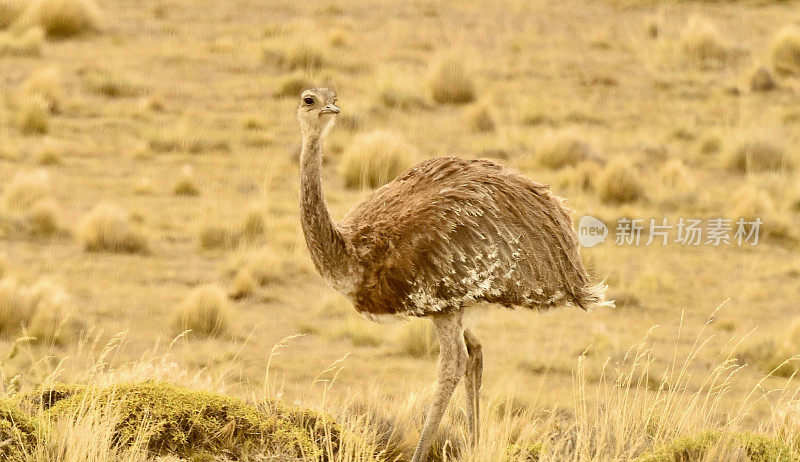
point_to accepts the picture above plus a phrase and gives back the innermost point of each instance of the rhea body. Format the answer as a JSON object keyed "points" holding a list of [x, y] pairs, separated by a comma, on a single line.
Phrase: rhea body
{"points": [[447, 234]]}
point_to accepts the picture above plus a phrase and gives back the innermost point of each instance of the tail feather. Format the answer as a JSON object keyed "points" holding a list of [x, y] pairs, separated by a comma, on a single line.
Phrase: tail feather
{"points": [[595, 297]]}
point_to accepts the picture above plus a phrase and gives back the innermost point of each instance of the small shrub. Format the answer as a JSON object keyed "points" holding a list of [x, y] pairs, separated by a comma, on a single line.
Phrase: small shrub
{"points": [[702, 42], [757, 448], [758, 155], [18, 432], [417, 338], [786, 51], [186, 185], [243, 284], [205, 312], [480, 117], [27, 42], [564, 148], [619, 183], [450, 82], [293, 85], [34, 115], [47, 84], [107, 228], [762, 80], [24, 190], [65, 18], [373, 159], [111, 85]]}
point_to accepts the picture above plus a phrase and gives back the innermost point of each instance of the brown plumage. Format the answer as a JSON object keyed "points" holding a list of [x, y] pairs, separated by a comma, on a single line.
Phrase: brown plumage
{"points": [[452, 232], [446, 234]]}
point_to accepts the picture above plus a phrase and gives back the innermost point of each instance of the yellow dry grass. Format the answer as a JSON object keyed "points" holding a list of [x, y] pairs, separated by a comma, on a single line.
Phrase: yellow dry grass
{"points": [[676, 108]]}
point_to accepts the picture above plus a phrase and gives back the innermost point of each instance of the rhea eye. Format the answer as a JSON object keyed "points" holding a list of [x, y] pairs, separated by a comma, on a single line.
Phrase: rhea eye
{"points": [[308, 100]]}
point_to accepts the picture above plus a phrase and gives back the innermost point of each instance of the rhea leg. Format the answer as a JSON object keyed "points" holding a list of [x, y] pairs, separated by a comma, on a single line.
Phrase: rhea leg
{"points": [[452, 364], [473, 376]]}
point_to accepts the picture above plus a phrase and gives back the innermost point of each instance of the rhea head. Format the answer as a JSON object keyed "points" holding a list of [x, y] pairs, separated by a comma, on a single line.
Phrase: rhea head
{"points": [[317, 110]]}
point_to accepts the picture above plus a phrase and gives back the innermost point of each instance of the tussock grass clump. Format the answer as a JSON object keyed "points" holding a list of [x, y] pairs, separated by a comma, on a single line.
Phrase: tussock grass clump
{"points": [[675, 175], [586, 175], [215, 236], [360, 332], [400, 91], [762, 80], [24, 190], [186, 184], [205, 311], [702, 42], [772, 354], [64, 18], [26, 42], [34, 115], [44, 217], [267, 265], [620, 183], [564, 148], [786, 51], [198, 425], [47, 84], [18, 431], [41, 310], [752, 203], [417, 338], [144, 187], [186, 138], [112, 85], [10, 11], [450, 82], [297, 56], [243, 284], [254, 224], [375, 158], [107, 228], [480, 117], [338, 38], [293, 85], [48, 154], [710, 144], [758, 155]]}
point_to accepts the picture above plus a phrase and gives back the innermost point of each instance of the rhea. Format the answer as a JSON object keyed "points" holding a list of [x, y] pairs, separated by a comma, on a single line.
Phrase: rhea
{"points": [[442, 237]]}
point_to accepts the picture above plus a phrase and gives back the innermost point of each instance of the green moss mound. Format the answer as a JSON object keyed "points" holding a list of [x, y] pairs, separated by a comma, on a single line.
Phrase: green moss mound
{"points": [[17, 430], [46, 396], [756, 448], [190, 424]]}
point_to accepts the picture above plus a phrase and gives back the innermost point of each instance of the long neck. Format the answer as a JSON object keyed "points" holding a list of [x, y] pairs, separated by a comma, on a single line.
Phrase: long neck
{"points": [[325, 242]]}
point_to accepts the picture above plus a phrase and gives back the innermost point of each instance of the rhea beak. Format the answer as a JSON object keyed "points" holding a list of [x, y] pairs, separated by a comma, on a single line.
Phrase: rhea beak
{"points": [[330, 109]]}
